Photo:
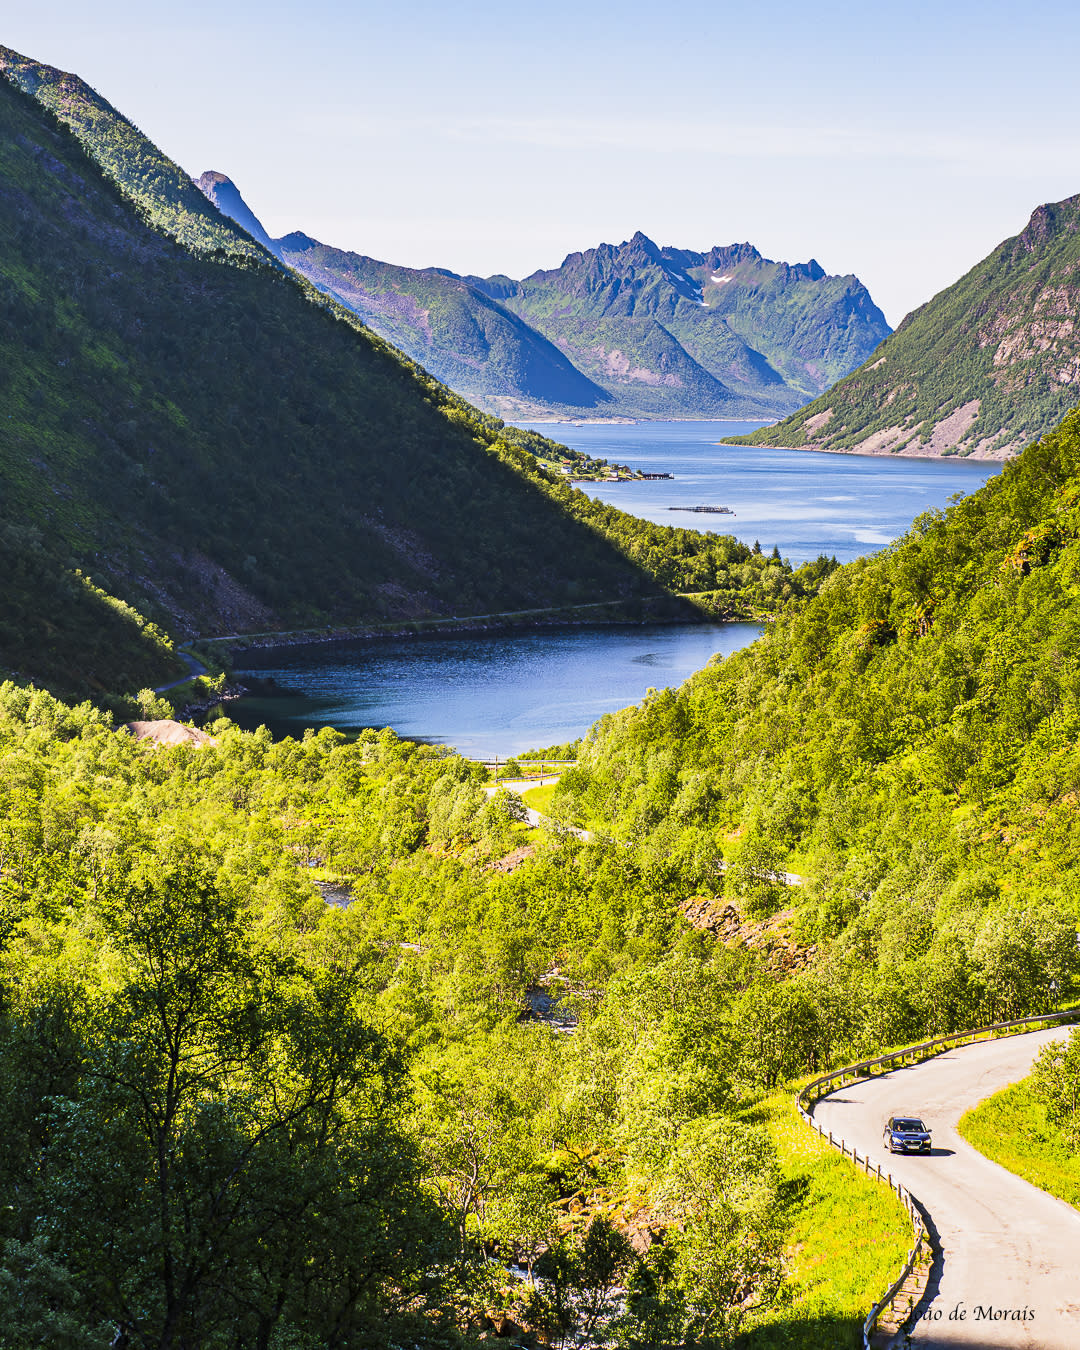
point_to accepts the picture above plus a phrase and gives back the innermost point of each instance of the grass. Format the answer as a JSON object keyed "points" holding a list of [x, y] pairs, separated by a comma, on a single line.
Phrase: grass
{"points": [[1011, 1128], [539, 798], [832, 1279]]}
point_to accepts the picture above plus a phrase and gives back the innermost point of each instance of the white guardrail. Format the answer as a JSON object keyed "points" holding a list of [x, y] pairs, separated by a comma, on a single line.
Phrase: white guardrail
{"points": [[821, 1087]]}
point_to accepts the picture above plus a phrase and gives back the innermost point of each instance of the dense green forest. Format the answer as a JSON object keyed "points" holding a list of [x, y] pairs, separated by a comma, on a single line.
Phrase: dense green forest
{"points": [[237, 1115], [989, 363], [907, 742], [213, 442], [338, 1052]]}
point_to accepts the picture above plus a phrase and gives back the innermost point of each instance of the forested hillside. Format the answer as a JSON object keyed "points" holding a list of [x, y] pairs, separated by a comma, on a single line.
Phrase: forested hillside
{"points": [[212, 441], [908, 742], [234, 1114], [161, 191], [983, 368], [231, 1108]]}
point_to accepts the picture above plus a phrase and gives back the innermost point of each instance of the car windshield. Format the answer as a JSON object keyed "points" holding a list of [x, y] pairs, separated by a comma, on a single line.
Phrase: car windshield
{"points": [[909, 1125]]}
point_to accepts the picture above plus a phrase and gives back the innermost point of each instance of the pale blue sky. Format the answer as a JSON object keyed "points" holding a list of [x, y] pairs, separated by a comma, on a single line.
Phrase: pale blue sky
{"points": [[897, 142]]}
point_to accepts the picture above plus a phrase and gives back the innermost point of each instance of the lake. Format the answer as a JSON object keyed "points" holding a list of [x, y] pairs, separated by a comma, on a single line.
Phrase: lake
{"points": [[486, 694], [804, 502], [501, 695]]}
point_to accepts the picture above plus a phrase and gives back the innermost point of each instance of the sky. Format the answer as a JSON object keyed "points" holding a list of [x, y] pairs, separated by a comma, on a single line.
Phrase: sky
{"points": [[897, 142]]}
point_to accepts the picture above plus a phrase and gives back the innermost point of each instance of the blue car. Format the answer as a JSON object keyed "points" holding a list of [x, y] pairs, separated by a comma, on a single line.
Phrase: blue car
{"points": [[906, 1134]]}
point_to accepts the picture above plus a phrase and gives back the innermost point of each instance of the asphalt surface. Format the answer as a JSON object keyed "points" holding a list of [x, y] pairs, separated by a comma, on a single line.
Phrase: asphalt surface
{"points": [[1009, 1253], [195, 667]]}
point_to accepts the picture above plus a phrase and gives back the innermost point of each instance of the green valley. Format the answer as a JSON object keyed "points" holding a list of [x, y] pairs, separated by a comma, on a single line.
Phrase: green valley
{"points": [[327, 1043], [376, 955]]}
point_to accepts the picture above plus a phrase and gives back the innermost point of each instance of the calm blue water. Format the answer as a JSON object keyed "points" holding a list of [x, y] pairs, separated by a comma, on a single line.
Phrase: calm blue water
{"points": [[805, 502], [488, 695], [503, 695]]}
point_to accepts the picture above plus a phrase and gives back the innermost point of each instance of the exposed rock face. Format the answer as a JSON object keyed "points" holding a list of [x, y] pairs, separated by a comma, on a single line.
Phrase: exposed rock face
{"points": [[983, 369], [513, 860], [770, 937]]}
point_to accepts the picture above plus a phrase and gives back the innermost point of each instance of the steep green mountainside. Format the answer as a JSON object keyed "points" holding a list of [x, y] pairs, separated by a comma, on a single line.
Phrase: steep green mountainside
{"points": [[462, 337], [229, 453], [161, 190], [214, 442], [907, 742], [663, 328], [631, 331], [982, 368], [63, 631]]}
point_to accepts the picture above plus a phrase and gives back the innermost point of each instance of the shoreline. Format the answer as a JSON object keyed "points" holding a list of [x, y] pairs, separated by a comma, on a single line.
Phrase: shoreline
{"points": [[437, 628], [634, 421], [973, 458]]}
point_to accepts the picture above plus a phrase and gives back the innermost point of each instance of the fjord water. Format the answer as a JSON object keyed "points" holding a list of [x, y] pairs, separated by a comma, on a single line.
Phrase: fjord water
{"points": [[504, 694], [486, 694], [804, 502]]}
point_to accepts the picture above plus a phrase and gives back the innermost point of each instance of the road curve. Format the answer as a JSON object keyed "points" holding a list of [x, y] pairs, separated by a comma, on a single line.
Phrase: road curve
{"points": [[1005, 1246], [195, 667]]}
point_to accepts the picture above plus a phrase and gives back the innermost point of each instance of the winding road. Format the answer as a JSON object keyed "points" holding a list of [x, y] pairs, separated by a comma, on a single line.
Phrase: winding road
{"points": [[1007, 1272], [195, 667]]}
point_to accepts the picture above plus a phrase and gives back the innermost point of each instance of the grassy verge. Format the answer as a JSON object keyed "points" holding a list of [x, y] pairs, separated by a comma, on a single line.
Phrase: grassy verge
{"points": [[832, 1279], [1011, 1128], [539, 798]]}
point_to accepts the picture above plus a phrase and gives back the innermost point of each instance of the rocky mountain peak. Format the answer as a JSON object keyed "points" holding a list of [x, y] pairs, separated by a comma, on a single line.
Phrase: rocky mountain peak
{"points": [[297, 242], [210, 181], [223, 192], [1048, 220]]}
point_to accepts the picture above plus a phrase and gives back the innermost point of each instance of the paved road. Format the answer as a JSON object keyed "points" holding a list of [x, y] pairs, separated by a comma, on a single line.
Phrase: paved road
{"points": [[195, 667], [1006, 1245]]}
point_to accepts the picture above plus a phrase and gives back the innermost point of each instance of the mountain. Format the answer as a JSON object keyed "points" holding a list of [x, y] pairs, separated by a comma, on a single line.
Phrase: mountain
{"points": [[462, 337], [983, 368], [628, 331], [726, 332], [207, 442], [160, 190], [195, 440], [222, 191]]}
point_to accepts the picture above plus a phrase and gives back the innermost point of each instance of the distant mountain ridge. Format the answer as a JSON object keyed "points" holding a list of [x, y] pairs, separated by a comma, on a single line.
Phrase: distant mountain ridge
{"points": [[627, 330], [773, 332], [987, 366], [466, 340]]}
